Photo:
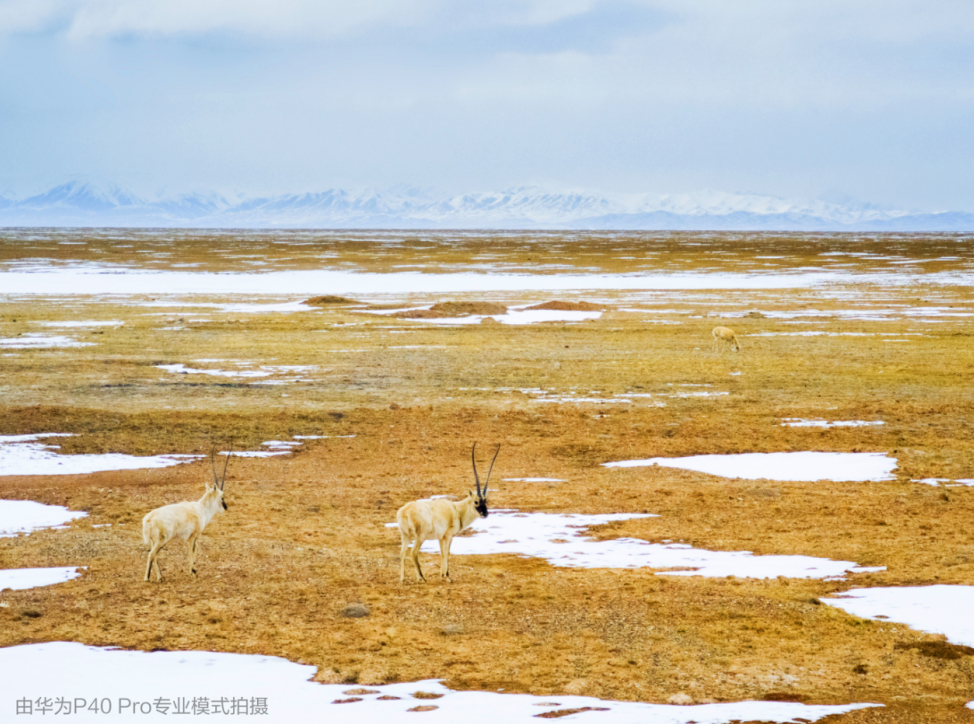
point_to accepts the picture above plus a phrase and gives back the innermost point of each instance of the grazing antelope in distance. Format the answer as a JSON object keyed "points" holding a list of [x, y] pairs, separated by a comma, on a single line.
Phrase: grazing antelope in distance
{"points": [[184, 520], [723, 335], [440, 519]]}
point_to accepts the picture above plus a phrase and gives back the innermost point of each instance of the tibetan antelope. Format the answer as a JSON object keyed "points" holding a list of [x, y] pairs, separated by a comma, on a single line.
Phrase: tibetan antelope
{"points": [[723, 335], [183, 520], [440, 519]]}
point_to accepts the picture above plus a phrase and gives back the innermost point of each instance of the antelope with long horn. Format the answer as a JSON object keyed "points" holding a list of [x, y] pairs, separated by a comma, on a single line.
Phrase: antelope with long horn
{"points": [[440, 519], [184, 520]]}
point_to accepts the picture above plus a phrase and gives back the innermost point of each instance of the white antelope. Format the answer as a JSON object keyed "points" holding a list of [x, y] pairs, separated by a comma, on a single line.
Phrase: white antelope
{"points": [[183, 520], [440, 519], [723, 335]]}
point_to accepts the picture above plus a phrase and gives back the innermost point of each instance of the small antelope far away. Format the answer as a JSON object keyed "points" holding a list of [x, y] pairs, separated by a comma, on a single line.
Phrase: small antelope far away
{"points": [[723, 335], [440, 519], [183, 520]]}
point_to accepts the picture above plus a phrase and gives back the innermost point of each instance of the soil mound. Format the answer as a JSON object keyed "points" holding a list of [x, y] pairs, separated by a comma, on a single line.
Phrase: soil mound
{"points": [[328, 299], [570, 306], [454, 309]]}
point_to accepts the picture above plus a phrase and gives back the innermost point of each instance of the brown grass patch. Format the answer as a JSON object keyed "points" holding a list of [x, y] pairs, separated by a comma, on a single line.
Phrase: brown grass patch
{"points": [[453, 309], [937, 649], [570, 306], [329, 300]]}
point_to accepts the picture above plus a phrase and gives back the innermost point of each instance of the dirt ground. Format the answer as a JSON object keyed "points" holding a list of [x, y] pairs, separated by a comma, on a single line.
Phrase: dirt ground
{"points": [[305, 534]]}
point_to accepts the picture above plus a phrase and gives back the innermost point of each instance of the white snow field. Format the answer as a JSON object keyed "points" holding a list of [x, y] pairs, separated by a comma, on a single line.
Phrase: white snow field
{"points": [[781, 466], [939, 609], [24, 455], [561, 540], [19, 579], [24, 516], [105, 279], [139, 685]]}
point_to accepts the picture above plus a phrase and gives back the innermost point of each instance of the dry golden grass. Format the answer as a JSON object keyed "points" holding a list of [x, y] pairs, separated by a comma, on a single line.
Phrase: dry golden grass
{"points": [[453, 309], [304, 536]]}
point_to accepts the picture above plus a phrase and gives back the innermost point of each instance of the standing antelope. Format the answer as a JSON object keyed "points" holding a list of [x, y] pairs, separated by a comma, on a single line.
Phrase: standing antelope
{"points": [[723, 335], [183, 520], [424, 520]]}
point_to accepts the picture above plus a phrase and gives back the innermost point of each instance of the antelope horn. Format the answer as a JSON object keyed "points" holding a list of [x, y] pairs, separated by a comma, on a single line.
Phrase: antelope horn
{"points": [[491, 469], [473, 457], [225, 465], [216, 479]]}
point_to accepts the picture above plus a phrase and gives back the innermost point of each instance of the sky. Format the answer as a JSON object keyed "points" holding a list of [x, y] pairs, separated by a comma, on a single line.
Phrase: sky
{"points": [[868, 98]]}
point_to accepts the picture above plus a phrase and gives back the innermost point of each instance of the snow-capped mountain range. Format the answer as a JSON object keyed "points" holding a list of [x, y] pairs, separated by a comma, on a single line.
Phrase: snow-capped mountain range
{"points": [[85, 204]]}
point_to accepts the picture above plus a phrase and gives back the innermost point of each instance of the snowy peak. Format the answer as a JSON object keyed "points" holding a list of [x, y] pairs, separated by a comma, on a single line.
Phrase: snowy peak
{"points": [[85, 196], [84, 203]]}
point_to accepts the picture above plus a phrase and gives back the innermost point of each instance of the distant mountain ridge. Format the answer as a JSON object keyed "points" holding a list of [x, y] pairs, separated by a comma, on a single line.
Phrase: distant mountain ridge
{"points": [[85, 204]]}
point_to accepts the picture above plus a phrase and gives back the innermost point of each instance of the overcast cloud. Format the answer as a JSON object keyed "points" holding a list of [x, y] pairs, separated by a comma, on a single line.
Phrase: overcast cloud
{"points": [[870, 98]]}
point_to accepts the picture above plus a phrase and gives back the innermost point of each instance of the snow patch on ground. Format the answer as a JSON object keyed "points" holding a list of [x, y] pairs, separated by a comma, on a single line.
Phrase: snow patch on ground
{"points": [[799, 422], [181, 369], [569, 400], [36, 340], [572, 398], [939, 609], [68, 670], [262, 371], [23, 455], [24, 516], [783, 466], [19, 579], [561, 540], [950, 483]]}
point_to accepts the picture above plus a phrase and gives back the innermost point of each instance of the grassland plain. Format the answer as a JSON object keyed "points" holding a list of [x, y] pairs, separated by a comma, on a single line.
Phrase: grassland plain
{"points": [[305, 534]]}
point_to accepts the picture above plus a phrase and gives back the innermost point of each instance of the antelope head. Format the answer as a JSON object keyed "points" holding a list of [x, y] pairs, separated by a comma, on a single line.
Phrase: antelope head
{"points": [[218, 484], [481, 498]]}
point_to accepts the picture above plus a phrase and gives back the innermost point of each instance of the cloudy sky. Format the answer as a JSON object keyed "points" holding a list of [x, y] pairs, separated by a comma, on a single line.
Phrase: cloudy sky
{"points": [[871, 98]]}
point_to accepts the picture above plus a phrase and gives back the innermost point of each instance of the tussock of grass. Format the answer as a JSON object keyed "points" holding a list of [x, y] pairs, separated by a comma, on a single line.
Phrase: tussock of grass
{"points": [[569, 306], [453, 309], [329, 300]]}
